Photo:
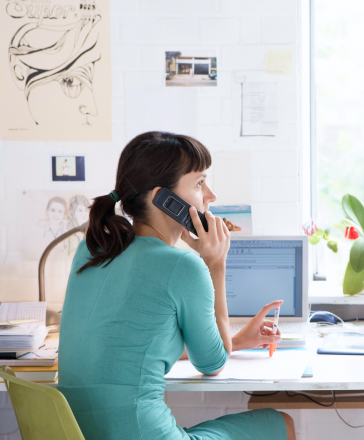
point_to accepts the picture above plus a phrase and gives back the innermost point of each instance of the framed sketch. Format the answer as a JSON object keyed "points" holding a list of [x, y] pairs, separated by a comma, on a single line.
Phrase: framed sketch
{"points": [[68, 168], [55, 70]]}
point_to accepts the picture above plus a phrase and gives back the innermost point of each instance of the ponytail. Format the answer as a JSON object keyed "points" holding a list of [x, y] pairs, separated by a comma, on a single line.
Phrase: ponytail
{"points": [[108, 234]]}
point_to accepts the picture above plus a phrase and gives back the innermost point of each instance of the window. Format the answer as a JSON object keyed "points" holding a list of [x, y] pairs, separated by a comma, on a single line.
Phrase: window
{"points": [[338, 58]]}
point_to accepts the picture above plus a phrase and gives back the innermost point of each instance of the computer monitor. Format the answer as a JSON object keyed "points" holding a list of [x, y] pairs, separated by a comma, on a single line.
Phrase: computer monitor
{"points": [[263, 269]]}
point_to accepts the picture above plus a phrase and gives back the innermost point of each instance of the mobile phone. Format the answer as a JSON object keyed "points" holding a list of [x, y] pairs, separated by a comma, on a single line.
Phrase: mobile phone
{"points": [[177, 208]]}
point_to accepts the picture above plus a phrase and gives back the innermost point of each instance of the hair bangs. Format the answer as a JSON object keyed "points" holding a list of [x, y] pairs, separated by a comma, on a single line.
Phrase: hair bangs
{"points": [[196, 157]]}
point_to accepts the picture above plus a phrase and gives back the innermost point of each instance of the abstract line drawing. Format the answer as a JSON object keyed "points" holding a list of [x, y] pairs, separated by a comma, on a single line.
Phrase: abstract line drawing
{"points": [[61, 58]]}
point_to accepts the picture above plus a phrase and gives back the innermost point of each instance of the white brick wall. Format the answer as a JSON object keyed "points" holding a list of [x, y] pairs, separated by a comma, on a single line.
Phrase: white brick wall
{"points": [[141, 31]]}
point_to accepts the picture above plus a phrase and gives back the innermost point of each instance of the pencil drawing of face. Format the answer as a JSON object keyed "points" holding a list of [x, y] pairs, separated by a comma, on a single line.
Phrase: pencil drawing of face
{"points": [[54, 66], [56, 210], [78, 212], [54, 225]]}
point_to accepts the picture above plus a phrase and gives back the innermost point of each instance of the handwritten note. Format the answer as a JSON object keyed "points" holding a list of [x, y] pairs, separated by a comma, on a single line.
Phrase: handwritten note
{"points": [[278, 62], [259, 109]]}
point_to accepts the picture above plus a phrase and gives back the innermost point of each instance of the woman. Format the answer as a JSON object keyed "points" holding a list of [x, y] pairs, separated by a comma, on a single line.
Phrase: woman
{"points": [[133, 301]]}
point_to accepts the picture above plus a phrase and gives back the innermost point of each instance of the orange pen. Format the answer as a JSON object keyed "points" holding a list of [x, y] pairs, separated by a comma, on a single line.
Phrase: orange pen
{"points": [[273, 347]]}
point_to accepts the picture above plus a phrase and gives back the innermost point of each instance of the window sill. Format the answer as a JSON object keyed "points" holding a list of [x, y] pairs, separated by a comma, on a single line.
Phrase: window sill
{"points": [[323, 292]]}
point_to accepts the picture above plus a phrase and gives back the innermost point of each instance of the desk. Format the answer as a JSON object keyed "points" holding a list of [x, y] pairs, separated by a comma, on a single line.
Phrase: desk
{"points": [[330, 372]]}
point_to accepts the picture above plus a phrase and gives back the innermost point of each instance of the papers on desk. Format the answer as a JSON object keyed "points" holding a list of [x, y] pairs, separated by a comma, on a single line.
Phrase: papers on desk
{"points": [[45, 356], [251, 365], [27, 336]]}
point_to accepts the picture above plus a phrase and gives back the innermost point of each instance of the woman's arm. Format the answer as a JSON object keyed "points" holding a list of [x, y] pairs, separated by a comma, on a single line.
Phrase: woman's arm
{"points": [[222, 318], [218, 272]]}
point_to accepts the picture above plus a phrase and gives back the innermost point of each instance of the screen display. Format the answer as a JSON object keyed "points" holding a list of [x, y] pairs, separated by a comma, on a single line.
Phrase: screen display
{"points": [[261, 271], [174, 206]]}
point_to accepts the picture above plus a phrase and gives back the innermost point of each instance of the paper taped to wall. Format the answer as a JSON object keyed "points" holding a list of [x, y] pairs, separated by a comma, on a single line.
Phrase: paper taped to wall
{"points": [[278, 62], [259, 113]]}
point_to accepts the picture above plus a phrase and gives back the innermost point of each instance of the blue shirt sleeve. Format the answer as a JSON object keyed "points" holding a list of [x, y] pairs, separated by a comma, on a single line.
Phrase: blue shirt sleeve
{"points": [[192, 291]]}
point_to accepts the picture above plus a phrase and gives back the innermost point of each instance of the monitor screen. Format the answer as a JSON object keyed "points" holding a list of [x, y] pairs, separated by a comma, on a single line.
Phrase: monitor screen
{"points": [[261, 271]]}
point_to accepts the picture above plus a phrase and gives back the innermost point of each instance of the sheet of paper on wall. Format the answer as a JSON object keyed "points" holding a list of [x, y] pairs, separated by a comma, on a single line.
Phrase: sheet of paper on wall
{"points": [[47, 214], [55, 70], [259, 113], [231, 178], [250, 365], [278, 62]]}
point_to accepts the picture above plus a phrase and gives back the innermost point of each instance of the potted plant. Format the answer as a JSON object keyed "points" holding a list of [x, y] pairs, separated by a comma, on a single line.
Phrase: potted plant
{"points": [[354, 274]]}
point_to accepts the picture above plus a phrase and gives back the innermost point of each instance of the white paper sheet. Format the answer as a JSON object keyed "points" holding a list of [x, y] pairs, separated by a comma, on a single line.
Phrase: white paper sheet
{"points": [[259, 116], [251, 365], [23, 310]]}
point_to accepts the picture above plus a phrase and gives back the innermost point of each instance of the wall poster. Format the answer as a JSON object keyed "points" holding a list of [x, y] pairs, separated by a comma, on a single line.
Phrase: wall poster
{"points": [[55, 76]]}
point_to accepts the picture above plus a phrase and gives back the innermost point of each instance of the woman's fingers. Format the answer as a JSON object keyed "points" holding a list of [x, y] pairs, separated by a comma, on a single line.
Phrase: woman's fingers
{"points": [[219, 229], [264, 311], [211, 221], [197, 222]]}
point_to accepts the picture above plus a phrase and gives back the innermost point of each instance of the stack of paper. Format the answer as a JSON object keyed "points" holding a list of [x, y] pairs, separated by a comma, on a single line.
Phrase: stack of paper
{"points": [[46, 356], [22, 326]]}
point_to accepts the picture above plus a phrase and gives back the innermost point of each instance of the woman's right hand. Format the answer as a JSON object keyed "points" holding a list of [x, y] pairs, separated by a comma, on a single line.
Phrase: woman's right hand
{"points": [[213, 245]]}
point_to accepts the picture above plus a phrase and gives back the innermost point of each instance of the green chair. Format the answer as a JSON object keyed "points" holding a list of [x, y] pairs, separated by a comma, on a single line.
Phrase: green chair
{"points": [[42, 412]]}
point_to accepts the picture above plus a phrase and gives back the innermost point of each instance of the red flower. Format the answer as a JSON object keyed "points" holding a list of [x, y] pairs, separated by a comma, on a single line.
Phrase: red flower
{"points": [[351, 233], [309, 228]]}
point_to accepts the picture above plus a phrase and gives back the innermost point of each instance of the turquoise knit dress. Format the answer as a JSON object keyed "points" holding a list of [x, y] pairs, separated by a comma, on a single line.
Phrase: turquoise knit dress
{"points": [[124, 326]]}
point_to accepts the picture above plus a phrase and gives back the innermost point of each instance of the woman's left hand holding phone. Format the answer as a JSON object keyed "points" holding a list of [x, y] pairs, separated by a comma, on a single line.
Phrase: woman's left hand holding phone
{"points": [[213, 245]]}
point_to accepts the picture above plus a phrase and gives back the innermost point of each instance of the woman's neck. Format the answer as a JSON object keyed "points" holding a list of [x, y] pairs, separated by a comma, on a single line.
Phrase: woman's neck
{"points": [[169, 235]]}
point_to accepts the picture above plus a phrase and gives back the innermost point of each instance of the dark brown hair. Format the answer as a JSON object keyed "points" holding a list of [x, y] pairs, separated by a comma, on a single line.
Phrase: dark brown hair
{"points": [[149, 160]]}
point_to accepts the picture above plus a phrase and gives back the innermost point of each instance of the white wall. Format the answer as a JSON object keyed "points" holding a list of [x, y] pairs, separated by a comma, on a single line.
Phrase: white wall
{"points": [[141, 31]]}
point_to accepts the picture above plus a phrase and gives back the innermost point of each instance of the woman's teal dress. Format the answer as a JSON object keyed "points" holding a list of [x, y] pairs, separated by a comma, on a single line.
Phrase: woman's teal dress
{"points": [[124, 326]]}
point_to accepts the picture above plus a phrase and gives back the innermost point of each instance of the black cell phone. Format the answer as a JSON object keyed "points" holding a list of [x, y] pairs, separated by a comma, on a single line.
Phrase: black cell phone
{"points": [[177, 208]]}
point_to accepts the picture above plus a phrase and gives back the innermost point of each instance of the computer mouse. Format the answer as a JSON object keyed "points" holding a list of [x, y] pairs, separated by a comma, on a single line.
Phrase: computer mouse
{"points": [[322, 316]]}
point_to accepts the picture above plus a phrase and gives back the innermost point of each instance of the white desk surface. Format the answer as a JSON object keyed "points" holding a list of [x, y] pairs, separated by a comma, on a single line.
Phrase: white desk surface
{"points": [[330, 372]]}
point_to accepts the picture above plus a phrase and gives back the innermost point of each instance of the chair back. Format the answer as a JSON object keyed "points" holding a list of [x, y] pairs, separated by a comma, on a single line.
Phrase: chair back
{"points": [[43, 412]]}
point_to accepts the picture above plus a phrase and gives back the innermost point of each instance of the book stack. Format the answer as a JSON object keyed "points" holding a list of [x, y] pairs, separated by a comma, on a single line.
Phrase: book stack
{"points": [[23, 334]]}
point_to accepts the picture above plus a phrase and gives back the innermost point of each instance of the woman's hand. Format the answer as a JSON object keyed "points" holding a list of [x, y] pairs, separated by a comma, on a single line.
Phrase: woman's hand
{"points": [[257, 334], [213, 245]]}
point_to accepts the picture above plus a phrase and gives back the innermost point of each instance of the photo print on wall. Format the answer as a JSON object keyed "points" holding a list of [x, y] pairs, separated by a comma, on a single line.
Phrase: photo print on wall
{"points": [[237, 218], [55, 70], [68, 168], [191, 69]]}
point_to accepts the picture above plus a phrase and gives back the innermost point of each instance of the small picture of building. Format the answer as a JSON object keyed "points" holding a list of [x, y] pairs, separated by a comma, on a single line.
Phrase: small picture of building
{"points": [[190, 69]]}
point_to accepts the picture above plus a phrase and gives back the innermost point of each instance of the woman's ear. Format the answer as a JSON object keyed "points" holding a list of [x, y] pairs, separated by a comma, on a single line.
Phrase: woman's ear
{"points": [[155, 190]]}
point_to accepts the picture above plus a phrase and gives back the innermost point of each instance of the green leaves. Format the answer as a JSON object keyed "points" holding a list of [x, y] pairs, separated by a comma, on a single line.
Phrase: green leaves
{"points": [[353, 281], [333, 246], [357, 255], [313, 239], [354, 210]]}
